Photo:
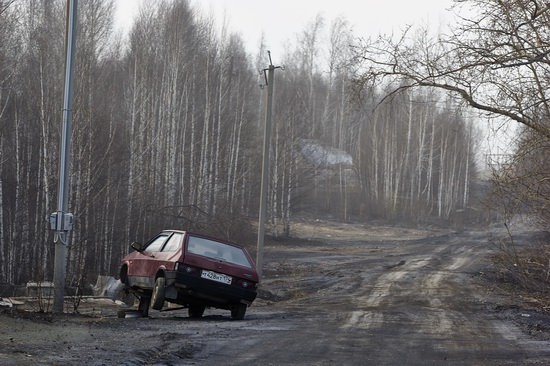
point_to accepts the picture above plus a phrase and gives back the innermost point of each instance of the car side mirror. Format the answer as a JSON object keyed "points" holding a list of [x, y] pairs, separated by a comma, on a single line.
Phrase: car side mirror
{"points": [[136, 246]]}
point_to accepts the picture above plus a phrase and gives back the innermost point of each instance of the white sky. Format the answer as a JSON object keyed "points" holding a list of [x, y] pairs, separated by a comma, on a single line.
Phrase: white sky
{"points": [[282, 20]]}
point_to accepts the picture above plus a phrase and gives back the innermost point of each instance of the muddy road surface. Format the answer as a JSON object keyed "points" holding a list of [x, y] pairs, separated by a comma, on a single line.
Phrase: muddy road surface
{"points": [[337, 295]]}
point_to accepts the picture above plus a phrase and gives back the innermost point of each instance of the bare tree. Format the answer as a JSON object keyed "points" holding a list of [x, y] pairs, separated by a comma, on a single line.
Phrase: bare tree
{"points": [[495, 59], [28, 133], [7, 73]]}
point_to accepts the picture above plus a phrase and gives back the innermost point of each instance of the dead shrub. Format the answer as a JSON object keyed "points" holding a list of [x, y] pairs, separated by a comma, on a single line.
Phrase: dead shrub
{"points": [[525, 264]]}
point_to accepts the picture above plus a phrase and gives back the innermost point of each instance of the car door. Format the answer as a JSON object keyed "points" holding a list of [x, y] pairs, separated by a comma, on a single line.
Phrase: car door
{"points": [[170, 252], [144, 265]]}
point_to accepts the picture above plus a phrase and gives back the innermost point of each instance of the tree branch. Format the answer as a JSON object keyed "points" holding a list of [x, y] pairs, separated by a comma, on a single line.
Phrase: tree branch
{"points": [[2, 10]]}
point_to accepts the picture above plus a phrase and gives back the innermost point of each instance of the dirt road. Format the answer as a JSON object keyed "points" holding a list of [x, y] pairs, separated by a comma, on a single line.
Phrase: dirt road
{"points": [[343, 294]]}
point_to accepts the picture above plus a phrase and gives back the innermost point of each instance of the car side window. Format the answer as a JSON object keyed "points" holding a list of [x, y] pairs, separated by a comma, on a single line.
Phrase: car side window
{"points": [[173, 243], [155, 244]]}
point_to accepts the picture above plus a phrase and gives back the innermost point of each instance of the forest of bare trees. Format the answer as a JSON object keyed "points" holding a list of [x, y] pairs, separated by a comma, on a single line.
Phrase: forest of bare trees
{"points": [[494, 59], [167, 134]]}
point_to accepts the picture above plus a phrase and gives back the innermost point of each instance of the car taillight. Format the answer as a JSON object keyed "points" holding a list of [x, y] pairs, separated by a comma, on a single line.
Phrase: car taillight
{"points": [[246, 284], [186, 269]]}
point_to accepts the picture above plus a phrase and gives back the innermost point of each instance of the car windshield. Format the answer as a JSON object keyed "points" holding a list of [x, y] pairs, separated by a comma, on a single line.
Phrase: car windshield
{"points": [[155, 244], [217, 250]]}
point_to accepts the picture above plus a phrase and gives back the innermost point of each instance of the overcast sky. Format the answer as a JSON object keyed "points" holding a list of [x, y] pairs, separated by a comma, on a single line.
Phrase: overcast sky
{"points": [[282, 20]]}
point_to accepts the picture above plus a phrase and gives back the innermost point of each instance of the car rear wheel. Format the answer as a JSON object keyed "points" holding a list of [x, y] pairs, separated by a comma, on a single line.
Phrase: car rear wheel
{"points": [[196, 311], [158, 294], [238, 311]]}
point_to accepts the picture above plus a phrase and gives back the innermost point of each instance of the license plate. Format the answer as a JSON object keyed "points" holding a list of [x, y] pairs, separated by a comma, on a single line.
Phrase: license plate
{"points": [[218, 277]]}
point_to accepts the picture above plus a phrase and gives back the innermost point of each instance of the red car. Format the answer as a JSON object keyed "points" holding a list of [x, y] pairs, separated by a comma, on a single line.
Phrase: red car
{"points": [[191, 270]]}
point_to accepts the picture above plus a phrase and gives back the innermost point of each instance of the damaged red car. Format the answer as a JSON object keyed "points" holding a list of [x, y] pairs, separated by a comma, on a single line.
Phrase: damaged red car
{"points": [[193, 270]]}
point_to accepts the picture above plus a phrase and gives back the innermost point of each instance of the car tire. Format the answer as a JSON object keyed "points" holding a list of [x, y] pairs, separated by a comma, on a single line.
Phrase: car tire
{"points": [[238, 311], [157, 301], [143, 307], [196, 311], [124, 276]]}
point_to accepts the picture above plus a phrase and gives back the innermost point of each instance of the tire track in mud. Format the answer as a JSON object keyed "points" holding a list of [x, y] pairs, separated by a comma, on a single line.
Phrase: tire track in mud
{"points": [[388, 303], [385, 303], [387, 285], [423, 308]]}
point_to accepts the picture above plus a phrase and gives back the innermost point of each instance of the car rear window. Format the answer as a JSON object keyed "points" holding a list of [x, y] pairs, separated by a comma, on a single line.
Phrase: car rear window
{"points": [[217, 250]]}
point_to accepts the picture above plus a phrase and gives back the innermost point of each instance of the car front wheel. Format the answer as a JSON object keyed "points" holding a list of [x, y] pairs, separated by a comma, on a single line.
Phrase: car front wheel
{"points": [[157, 301], [143, 307]]}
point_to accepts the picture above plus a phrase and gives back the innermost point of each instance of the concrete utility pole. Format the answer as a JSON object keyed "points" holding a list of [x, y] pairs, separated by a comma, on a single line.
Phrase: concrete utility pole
{"points": [[61, 221], [265, 164]]}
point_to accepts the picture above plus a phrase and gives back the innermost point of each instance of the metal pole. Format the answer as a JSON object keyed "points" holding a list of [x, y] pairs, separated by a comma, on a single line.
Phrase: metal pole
{"points": [[265, 167], [62, 220]]}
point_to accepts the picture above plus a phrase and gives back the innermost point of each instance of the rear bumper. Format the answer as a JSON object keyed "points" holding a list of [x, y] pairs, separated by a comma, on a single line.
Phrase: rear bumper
{"points": [[211, 293]]}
